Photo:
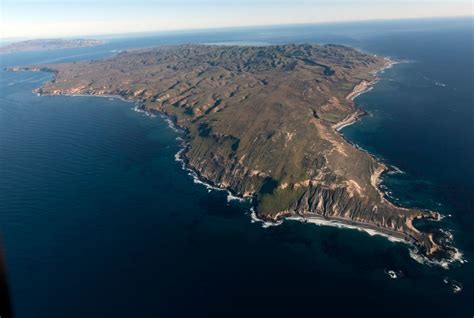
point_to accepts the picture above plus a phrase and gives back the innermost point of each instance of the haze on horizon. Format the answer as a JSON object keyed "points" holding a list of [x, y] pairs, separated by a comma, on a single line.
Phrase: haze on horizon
{"points": [[64, 18]]}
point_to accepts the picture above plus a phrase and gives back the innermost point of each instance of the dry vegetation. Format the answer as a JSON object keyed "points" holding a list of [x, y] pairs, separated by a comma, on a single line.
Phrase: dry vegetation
{"points": [[261, 122]]}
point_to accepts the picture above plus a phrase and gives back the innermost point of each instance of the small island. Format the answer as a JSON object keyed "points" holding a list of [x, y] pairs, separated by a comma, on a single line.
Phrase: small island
{"points": [[263, 122], [47, 45]]}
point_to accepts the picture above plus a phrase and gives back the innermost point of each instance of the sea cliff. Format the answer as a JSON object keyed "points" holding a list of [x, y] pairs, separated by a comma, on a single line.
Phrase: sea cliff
{"points": [[263, 122]]}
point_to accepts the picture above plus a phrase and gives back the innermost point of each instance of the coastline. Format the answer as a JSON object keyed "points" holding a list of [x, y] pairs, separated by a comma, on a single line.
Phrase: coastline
{"points": [[372, 230], [393, 236], [362, 88], [454, 254], [87, 95], [199, 179], [179, 156], [349, 120]]}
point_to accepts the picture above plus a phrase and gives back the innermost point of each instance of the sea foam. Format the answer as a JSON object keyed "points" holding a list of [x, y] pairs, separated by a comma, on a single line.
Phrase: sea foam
{"points": [[265, 224], [457, 256], [333, 223], [139, 109], [197, 180]]}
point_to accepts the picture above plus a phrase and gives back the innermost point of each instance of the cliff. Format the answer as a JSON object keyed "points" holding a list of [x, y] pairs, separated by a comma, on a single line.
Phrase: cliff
{"points": [[262, 122]]}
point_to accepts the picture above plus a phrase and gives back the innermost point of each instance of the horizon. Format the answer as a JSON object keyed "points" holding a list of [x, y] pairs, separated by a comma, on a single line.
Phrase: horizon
{"points": [[236, 157], [105, 36], [31, 19]]}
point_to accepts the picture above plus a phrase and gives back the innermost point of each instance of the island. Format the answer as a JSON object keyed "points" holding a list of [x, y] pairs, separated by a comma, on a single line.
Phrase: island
{"points": [[47, 45], [263, 122]]}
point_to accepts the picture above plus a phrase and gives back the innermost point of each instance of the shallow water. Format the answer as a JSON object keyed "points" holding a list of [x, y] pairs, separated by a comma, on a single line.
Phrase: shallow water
{"points": [[99, 219]]}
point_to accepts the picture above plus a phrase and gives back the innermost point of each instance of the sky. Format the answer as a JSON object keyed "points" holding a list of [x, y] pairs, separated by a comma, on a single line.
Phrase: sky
{"points": [[67, 18]]}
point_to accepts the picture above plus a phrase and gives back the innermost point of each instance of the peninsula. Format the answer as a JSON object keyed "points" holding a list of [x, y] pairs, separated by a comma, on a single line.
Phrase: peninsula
{"points": [[263, 123], [47, 45]]}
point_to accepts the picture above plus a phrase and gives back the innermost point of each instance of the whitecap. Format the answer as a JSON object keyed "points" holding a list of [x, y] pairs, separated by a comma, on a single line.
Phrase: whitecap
{"points": [[391, 273], [455, 286]]}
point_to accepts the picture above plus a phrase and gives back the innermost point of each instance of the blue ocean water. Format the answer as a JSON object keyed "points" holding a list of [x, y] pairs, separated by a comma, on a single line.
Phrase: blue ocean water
{"points": [[98, 219]]}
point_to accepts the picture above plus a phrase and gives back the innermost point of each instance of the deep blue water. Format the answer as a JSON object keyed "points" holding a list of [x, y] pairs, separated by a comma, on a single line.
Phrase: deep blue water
{"points": [[99, 220]]}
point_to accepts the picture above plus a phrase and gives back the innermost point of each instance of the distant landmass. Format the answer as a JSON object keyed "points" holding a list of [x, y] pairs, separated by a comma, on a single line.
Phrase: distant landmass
{"points": [[47, 45], [263, 123]]}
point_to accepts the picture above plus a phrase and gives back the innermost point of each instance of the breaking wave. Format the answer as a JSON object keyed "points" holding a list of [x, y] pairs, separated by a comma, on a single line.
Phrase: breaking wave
{"points": [[333, 223], [394, 274], [171, 124], [139, 109], [455, 257], [455, 286], [197, 180], [265, 224]]}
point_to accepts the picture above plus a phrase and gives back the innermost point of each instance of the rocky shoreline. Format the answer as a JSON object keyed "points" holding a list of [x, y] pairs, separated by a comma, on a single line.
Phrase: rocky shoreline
{"points": [[228, 157]]}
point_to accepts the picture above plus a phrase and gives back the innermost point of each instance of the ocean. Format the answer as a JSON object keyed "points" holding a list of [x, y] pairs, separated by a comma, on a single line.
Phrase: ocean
{"points": [[99, 219]]}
